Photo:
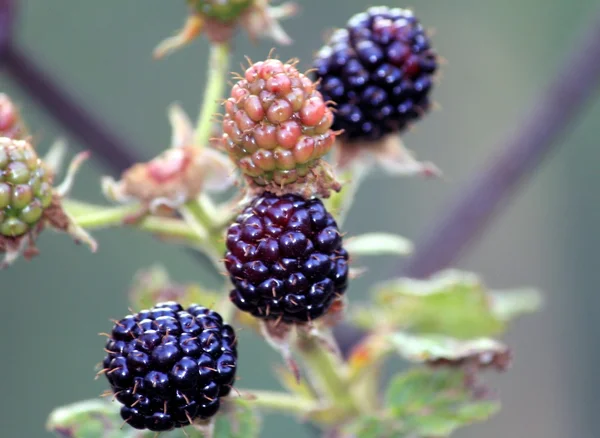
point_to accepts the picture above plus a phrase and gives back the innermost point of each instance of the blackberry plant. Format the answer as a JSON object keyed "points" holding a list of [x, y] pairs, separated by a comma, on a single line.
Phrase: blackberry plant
{"points": [[171, 364]]}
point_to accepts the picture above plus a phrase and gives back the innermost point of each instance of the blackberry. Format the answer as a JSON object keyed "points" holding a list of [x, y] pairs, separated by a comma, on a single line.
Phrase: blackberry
{"points": [[379, 71], [285, 259], [25, 188], [169, 366], [222, 10], [276, 125]]}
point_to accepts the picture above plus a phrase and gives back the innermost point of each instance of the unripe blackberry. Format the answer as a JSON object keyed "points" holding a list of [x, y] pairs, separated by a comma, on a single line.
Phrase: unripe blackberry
{"points": [[222, 10], [276, 125], [11, 124], [169, 366], [25, 187], [285, 259], [379, 71]]}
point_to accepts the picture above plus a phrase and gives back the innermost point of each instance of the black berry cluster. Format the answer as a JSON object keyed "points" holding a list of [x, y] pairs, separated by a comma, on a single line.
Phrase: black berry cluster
{"points": [[378, 70], [169, 366], [285, 259]]}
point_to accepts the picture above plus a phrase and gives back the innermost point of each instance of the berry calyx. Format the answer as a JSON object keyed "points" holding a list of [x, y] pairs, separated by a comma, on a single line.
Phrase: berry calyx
{"points": [[285, 259], [25, 188], [277, 126], [379, 72], [170, 366], [219, 20]]}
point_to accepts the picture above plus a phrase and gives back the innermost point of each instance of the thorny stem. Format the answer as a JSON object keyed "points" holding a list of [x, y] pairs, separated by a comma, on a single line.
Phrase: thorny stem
{"points": [[215, 86]]}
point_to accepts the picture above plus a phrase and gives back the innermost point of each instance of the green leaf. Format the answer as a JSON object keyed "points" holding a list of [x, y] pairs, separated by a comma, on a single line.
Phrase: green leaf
{"points": [[428, 402], [509, 304], [452, 303], [102, 419], [239, 421], [153, 285], [483, 352], [373, 427], [88, 419], [378, 244]]}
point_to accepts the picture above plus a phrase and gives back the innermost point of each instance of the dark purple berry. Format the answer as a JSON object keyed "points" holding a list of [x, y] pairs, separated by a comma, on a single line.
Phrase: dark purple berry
{"points": [[378, 71], [294, 269], [169, 366]]}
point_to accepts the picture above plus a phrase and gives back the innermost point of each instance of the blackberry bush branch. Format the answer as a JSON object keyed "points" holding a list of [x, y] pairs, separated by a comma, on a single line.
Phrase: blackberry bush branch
{"points": [[559, 105], [72, 115], [6, 26]]}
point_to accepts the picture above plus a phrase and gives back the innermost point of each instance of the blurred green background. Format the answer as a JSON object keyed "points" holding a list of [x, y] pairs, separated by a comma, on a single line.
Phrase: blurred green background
{"points": [[500, 56]]}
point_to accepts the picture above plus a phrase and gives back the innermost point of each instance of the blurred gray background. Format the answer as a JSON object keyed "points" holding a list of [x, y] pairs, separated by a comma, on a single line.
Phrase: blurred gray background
{"points": [[500, 56]]}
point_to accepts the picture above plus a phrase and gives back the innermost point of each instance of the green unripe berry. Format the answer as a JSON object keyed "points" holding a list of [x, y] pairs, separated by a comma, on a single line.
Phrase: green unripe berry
{"points": [[222, 10], [25, 188]]}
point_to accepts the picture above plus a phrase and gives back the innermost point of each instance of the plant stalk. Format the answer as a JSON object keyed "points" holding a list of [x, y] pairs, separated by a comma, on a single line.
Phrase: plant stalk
{"points": [[327, 372], [281, 402], [97, 216], [215, 85]]}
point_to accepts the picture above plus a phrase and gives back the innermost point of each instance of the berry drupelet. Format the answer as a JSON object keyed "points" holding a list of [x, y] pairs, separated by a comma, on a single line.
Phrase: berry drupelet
{"points": [[379, 72], [285, 259], [169, 366], [25, 188], [276, 125]]}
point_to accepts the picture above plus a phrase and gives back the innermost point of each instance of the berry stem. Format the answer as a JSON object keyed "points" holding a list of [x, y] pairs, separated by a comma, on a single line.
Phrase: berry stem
{"points": [[202, 211], [340, 203], [327, 372], [213, 91], [91, 216], [281, 402]]}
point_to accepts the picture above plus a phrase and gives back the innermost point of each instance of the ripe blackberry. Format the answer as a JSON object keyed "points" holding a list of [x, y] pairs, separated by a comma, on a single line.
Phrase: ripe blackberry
{"points": [[222, 10], [276, 125], [169, 366], [378, 70], [285, 259], [25, 188]]}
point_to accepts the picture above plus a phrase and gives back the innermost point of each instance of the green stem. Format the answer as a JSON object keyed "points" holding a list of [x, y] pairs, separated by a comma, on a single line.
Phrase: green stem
{"points": [[215, 85], [201, 210], [327, 372], [281, 402], [341, 202], [97, 216], [197, 209]]}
